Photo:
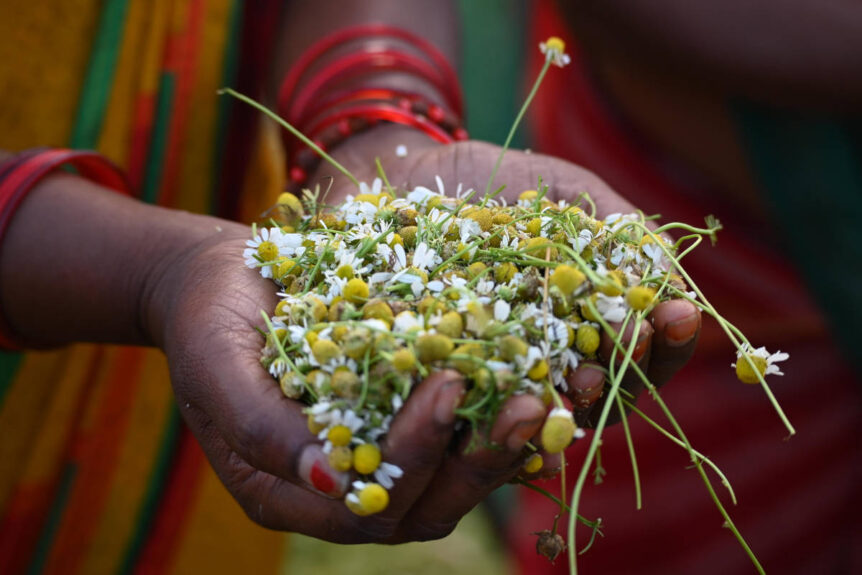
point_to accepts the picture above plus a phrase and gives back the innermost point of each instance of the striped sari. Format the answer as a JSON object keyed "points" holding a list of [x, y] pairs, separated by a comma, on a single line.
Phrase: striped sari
{"points": [[98, 474]]}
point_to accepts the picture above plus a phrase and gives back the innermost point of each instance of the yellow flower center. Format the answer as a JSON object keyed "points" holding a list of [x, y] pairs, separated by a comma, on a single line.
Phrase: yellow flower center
{"points": [[267, 251], [325, 350], [345, 272], [640, 297], [356, 291], [587, 340], [528, 196], [557, 433], [366, 458], [431, 347], [373, 498], [555, 44], [533, 464], [451, 324], [567, 279], [538, 371], [339, 435], [505, 272], [744, 371], [404, 360], [341, 458]]}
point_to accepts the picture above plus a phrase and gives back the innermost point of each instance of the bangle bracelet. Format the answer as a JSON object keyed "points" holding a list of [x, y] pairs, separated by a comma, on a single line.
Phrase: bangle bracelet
{"points": [[20, 174], [373, 31], [329, 115]]}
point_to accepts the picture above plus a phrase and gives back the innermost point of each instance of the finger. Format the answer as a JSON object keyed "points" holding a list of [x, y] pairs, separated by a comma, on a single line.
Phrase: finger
{"points": [[585, 387], [271, 501], [467, 477], [263, 427], [419, 438], [677, 325]]}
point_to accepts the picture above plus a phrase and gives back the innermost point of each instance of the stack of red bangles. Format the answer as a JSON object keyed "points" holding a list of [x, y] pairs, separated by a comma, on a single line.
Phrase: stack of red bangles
{"points": [[20, 174], [318, 104]]}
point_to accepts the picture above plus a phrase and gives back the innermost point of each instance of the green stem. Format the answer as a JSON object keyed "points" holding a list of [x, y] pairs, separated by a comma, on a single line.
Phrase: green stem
{"points": [[594, 444], [692, 454], [729, 329], [724, 481], [283, 123], [514, 127], [631, 446]]}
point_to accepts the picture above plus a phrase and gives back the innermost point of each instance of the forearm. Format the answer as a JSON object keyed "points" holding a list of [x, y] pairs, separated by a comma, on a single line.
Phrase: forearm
{"points": [[82, 263]]}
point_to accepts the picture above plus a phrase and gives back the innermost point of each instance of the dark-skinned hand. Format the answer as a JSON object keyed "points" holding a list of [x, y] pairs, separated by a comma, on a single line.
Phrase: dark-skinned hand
{"points": [[258, 440]]}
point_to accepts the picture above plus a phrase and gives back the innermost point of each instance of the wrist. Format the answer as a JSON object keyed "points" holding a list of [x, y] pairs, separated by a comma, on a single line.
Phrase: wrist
{"points": [[78, 260], [173, 266]]}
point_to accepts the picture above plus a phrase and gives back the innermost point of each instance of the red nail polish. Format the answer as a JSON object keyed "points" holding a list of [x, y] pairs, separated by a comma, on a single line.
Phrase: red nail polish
{"points": [[321, 480], [681, 331], [640, 348]]}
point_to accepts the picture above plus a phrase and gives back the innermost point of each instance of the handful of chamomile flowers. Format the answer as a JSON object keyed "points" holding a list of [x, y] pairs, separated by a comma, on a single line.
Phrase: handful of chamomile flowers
{"points": [[391, 285]]}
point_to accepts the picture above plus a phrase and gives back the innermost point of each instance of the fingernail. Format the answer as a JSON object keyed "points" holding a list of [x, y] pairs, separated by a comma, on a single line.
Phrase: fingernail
{"points": [[641, 347], [314, 469], [521, 434], [681, 331], [448, 398]]}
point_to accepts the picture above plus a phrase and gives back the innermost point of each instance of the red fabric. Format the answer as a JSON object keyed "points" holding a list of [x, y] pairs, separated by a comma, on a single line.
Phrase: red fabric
{"points": [[798, 501]]}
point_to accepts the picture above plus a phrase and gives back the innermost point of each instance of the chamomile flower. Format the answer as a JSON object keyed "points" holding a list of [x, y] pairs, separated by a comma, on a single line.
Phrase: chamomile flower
{"points": [[611, 308], [374, 189], [342, 429], [763, 362], [554, 50], [424, 258]]}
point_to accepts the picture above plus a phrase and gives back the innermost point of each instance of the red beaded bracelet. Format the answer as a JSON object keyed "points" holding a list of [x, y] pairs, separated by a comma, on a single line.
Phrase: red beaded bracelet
{"points": [[374, 31], [20, 174], [328, 121]]}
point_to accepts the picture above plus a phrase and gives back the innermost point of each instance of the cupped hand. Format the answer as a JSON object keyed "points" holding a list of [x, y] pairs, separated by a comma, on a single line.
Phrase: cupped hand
{"points": [[258, 441]]}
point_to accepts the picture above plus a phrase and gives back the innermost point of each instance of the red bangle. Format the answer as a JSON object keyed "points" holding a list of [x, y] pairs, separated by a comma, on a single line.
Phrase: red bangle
{"points": [[328, 116], [354, 65], [345, 35], [20, 174]]}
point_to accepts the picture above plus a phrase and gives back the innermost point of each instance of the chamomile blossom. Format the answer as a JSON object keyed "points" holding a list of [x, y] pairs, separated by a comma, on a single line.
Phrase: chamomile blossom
{"points": [[764, 363], [554, 50]]}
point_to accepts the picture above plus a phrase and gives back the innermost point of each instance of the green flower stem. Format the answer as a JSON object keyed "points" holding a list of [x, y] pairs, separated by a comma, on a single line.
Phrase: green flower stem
{"points": [[363, 394], [475, 244], [514, 128], [283, 123], [652, 423], [616, 381], [631, 446], [282, 353], [731, 331], [710, 231], [594, 525], [692, 454], [382, 174]]}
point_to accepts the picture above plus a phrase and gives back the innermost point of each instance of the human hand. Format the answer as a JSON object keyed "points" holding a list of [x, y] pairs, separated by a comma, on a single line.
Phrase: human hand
{"points": [[209, 304]]}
